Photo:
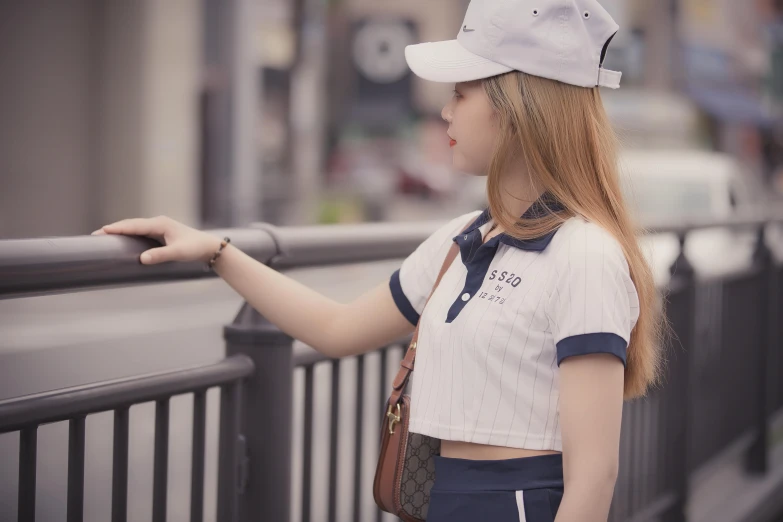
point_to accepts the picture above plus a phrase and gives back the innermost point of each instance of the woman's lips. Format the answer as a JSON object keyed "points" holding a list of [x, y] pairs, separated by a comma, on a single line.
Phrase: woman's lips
{"points": [[452, 143]]}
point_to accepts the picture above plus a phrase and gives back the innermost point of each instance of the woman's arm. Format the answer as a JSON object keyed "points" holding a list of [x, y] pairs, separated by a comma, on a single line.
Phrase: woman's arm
{"points": [[370, 321], [335, 329], [591, 406]]}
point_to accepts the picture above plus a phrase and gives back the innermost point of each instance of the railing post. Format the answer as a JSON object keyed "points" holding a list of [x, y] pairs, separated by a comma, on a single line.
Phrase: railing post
{"points": [[756, 457], [683, 281], [266, 418]]}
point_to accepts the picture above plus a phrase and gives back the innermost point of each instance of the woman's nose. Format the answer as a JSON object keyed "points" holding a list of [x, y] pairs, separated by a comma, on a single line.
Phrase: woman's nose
{"points": [[445, 113]]}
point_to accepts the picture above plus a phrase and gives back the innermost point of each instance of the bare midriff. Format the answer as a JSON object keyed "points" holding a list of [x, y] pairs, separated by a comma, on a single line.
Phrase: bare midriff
{"points": [[472, 451]]}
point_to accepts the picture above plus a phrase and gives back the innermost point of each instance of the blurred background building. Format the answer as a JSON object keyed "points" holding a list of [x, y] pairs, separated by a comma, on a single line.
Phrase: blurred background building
{"points": [[295, 111]]}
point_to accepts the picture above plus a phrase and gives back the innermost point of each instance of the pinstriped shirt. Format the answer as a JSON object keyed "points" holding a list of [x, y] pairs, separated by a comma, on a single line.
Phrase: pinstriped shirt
{"points": [[504, 316]]}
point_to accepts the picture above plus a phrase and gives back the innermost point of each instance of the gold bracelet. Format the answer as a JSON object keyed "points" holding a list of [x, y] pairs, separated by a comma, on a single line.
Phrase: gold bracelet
{"points": [[216, 255]]}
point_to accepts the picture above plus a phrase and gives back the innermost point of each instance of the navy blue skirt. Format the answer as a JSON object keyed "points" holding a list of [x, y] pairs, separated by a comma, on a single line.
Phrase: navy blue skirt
{"points": [[527, 489]]}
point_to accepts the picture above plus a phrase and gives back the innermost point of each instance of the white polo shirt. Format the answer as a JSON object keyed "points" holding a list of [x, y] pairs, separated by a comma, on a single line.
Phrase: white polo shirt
{"points": [[503, 317]]}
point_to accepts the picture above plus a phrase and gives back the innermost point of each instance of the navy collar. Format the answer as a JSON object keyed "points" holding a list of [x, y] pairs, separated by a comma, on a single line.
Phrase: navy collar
{"points": [[541, 207]]}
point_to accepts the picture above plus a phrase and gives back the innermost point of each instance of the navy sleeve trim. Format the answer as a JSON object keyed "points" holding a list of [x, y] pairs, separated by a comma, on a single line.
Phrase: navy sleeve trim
{"points": [[402, 302], [591, 343]]}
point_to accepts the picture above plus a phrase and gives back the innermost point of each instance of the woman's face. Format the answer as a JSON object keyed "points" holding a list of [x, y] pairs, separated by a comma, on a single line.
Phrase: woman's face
{"points": [[472, 128]]}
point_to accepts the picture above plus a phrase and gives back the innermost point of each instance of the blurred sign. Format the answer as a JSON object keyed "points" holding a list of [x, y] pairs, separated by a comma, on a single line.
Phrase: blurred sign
{"points": [[274, 34], [381, 79], [723, 57], [379, 50], [722, 39]]}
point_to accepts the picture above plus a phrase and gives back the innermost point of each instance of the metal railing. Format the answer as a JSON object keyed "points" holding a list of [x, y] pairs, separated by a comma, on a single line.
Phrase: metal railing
{"points": [[664, 436], [25, 414]]}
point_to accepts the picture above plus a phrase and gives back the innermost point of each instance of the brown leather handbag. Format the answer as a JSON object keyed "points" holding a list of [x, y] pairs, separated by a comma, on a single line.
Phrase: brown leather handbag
{"points": [[406, 467]]}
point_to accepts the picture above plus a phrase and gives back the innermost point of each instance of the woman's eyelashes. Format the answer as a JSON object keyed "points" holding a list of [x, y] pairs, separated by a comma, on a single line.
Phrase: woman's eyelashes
{"points": [[456, 94]]}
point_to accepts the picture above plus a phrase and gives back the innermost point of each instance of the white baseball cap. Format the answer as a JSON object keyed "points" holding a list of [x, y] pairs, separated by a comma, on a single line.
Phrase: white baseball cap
{"points": [[563, 40]]}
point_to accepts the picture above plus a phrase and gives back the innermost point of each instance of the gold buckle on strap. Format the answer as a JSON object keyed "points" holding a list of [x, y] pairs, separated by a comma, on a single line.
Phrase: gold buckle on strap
{"points": [[393, 419]]}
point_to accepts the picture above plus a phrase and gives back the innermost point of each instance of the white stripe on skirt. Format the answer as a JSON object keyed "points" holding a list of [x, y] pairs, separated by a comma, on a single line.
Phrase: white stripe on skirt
{"points": [[521, 506]]}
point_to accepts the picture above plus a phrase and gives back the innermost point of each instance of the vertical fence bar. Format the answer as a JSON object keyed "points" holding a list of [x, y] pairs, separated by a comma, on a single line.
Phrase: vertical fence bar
{"points": [[649, 451], [228, 461], [119, 490], [161, 461], [333, 441], [663, 437], [622, 501], [359, 428], [777, 348], [307, 450], [267, 414], [642, 477], [683, 318], [773, 330], [636, 438], [28, 457], [75, 509], [656, 457], [199, 445], [756, 458], [382, 383]]}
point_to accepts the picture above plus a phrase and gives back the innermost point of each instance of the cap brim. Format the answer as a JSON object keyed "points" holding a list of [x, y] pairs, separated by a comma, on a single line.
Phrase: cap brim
{"points": [[448, 61]]}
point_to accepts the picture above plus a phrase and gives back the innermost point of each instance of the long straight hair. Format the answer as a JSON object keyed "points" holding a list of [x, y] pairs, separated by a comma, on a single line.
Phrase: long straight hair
{"points": [[564, 137]]}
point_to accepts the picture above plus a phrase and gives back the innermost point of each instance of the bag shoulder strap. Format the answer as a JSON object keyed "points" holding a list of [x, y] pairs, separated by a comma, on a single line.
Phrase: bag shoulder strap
{"points": [[406, 365]]}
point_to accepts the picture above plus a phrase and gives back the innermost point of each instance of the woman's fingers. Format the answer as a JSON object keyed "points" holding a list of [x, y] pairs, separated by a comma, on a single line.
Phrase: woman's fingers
{"points": [[137, 227], [165, 230], [153, 256]]}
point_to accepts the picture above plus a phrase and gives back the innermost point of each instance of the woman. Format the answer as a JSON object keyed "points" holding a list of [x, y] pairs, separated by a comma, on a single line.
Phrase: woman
{"points": [[546, 321]]}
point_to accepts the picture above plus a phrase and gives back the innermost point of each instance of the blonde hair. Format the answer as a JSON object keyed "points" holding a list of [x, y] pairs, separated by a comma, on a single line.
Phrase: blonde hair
{"points": [[564, 137]]}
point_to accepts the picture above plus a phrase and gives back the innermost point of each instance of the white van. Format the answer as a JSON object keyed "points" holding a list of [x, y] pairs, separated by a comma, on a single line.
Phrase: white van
{"points": [[678, 186]]}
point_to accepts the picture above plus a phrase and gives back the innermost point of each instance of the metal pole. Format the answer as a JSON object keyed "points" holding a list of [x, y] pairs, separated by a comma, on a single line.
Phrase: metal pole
{"points": [[229, 459], [245, 94], [683, 282], [756, 458], [266, 416], [308, 114]]}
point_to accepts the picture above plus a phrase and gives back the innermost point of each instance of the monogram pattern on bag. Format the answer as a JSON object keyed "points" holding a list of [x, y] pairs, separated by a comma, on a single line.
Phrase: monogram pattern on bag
{"points": [[418, 474]]}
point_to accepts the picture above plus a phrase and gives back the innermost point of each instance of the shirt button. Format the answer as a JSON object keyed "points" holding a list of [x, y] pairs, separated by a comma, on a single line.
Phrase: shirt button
{"points": [[465, 296], [465, 237]]}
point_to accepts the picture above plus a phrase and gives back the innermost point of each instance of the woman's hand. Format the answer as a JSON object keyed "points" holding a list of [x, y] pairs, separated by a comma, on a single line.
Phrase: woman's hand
{"points": [[182, 243]]}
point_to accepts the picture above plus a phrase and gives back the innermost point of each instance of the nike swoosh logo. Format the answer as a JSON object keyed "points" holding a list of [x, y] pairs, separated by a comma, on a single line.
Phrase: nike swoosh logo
{"points": [[466, 30]]}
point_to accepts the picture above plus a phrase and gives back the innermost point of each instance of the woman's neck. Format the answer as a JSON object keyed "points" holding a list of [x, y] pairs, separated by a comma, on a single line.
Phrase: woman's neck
{"points": [[518, 192]]}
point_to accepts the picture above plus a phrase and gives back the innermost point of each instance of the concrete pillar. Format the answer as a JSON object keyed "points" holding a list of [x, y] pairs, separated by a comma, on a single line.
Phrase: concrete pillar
{"points": [[308, 114], [245, 93], [172, 80], [45, 99], [100, 113], [148, 109], [660, 37]]}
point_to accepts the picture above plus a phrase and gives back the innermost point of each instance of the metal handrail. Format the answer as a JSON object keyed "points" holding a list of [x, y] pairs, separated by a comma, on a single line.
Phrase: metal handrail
{"points": [[737, 221], [62, 264]]}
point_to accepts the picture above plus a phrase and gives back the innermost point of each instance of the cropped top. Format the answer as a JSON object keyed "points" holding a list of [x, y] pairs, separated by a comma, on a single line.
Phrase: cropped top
{"points": [[504, 316]]}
